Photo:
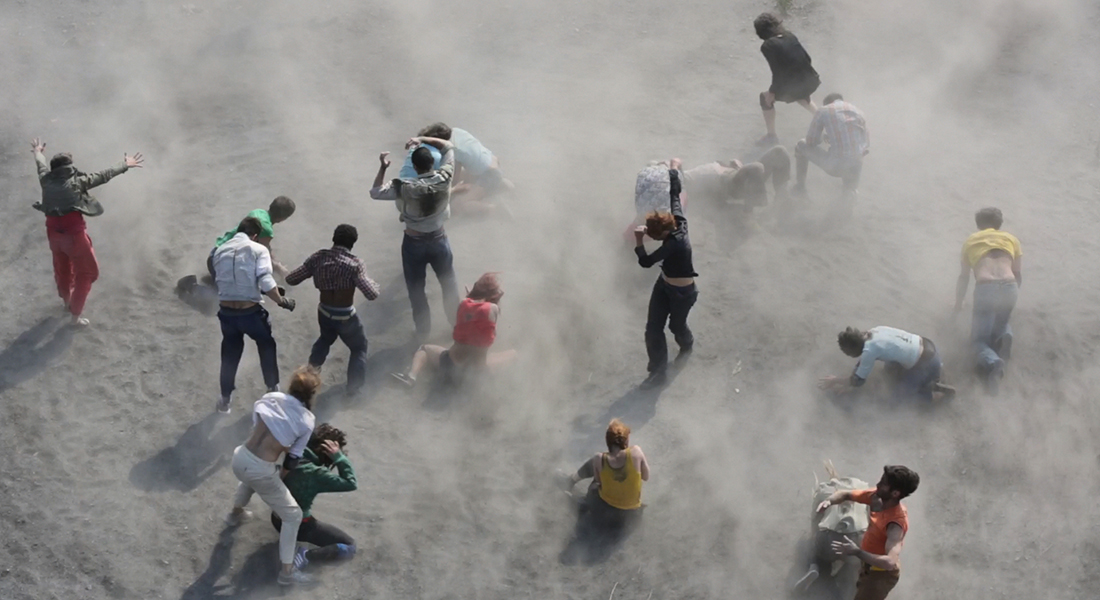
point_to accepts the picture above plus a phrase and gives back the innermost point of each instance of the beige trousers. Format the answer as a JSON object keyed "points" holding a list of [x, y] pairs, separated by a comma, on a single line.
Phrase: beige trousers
{"points": [[262, 477]]}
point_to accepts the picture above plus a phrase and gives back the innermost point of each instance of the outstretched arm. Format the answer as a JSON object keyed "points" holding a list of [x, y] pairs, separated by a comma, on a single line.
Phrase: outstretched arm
{"points": [[836, 498], [97, 179]]}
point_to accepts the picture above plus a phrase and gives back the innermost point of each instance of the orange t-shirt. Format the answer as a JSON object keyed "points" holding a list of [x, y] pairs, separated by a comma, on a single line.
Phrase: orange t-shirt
{"points": [[874, 541]]}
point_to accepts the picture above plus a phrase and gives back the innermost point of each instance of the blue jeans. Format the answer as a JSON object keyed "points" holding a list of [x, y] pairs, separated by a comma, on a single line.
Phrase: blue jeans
{"points": [[342, 323], [919, 381], [993, 304], [256, 324], [668, 303], [417, 252]]}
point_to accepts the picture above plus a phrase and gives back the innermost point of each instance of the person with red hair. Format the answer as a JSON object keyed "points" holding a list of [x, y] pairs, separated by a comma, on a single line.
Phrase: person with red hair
{"points": [[614, 497], [474, 332]]}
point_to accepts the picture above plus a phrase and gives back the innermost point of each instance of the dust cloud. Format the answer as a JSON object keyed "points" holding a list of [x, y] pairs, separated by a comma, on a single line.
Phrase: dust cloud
{"points": [[116, 478]]}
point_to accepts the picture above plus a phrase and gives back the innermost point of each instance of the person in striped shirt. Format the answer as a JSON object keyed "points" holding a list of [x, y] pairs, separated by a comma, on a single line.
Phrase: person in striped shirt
{"points": [[841, 125]]}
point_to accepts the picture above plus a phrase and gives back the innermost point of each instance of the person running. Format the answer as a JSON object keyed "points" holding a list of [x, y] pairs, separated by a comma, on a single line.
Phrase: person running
{"points": [[880, 550], [994, 257], [281, 424], [424, 204], [337, 273], [842, 125], [911, 360], [674, 292], [793, 76], [281, 209], [614, 497], [242, 272], [313, 475], [66, 201], [474, 333]]}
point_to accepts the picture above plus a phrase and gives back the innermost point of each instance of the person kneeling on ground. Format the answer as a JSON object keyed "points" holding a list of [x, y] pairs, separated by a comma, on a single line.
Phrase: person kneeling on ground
{"points": [[313, 476], [474, 332], [614, 497], [910, 358]]}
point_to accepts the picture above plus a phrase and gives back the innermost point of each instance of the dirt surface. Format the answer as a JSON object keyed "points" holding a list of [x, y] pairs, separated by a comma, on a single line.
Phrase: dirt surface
{"points": [[116, 474]]}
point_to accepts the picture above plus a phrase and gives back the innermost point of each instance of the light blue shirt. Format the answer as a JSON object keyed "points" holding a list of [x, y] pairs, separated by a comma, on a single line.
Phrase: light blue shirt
{"points": [[888, 345], [408, 171], [470, 154]]}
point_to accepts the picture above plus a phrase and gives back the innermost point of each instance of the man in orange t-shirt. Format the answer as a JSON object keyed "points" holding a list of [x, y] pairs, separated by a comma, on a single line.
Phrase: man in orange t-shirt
{"points": [[881, 548]]}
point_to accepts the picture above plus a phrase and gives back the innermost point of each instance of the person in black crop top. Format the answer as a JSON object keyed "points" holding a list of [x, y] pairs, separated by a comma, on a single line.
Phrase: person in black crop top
{"points": [[793, 76], [674, 293]]}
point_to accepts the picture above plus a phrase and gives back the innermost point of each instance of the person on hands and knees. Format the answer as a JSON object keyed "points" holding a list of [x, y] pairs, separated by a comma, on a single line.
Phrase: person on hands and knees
{"points": [[911, 360], [994, 257], [674, 292], [66, 201], [281, 209], [880, 550]]}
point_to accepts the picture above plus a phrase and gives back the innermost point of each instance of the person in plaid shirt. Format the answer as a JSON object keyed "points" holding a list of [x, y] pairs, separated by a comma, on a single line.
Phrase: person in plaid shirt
{"points": [[337, 273], [843, 127]]}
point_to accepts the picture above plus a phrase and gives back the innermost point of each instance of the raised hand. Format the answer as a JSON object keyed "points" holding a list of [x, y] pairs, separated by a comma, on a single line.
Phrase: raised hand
{"points": [[135, 161], [37, 145], [384, 159]]}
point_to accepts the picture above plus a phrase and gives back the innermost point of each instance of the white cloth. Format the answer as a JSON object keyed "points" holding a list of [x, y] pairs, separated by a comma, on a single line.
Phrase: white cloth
{"points": [[242, 270], [286, 418], [889, 345]]}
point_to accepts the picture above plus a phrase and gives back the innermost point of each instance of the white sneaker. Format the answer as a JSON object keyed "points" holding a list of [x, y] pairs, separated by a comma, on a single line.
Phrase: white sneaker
{"points": [[295, 577], [223, 405]]}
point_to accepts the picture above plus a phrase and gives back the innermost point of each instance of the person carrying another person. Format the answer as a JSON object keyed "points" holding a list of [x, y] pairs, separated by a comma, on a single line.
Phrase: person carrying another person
{"points": [[674, 292], [793, 76], [477, 170], [994, 257], [282, 424], [843, 127], [66, 201], [474, 333], [912, 361], [242, 272], [424, 205], [880, 550], [281, 209], [614, 498], [311, 476], [336, 272]]}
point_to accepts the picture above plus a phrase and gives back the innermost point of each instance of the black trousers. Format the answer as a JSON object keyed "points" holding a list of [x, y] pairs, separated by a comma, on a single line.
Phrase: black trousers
{"points": [[671, 304], [317, 533]]}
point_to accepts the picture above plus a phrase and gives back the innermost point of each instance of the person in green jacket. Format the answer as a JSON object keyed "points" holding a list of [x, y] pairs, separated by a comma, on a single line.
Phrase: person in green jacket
{"points": [[281, 209], [314, 475]]}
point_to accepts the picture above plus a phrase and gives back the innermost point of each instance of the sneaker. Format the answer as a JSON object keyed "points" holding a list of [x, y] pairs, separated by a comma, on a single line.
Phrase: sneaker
{"points": [[223, 405], [947, 392], [235, 519], [404, 378], [803, 585], [344, 551], [300, 558], [79, 322], [656, 379], [295, 577]]}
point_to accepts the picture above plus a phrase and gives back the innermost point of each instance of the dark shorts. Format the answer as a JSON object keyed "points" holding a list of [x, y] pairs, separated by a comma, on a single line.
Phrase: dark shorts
{"points": [[447, 366]]}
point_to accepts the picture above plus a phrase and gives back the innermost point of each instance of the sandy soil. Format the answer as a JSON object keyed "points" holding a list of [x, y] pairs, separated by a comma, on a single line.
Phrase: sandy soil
{"points": [[116, 481]]}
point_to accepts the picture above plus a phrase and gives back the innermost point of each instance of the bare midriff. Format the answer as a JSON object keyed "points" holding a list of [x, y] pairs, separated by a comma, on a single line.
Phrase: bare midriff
{"points": [[995, 266], [679, 281], [238, 304], [263, 444], [338, 298]]}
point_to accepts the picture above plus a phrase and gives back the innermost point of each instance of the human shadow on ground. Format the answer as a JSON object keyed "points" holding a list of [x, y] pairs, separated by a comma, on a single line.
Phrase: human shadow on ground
{"points": [[34, 351], [379, 366], [195, 456], [256, 577], [381, 314], [597, 536]]}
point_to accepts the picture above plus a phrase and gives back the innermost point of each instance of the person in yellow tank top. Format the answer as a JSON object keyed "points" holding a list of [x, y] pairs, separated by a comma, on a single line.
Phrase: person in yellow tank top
{"points": [[994, 256], [615, 494]]}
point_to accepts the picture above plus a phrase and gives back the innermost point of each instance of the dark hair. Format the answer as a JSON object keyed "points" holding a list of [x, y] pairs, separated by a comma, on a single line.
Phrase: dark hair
{"points": [[250, 226], [281, 208], [304, 384], [989, 217], [436, 130], [61, 159], [851, 341], [324, 432], [345, 235], [768, 26], [833, 97], [617, 436], [422, 159], [901, 479]]}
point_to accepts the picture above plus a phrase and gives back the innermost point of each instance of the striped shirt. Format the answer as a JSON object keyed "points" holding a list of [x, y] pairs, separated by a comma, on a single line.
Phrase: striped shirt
{"points": [[844, 128]]}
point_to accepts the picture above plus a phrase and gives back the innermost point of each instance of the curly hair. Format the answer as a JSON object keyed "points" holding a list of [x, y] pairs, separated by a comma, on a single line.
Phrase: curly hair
{"points": [[901, 479], [768, 25], [618, 435], [851, 341], [324, 432]]}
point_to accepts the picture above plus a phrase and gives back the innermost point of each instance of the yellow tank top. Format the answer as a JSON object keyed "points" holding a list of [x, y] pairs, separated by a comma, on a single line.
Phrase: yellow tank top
{"points": [[622, 487]]}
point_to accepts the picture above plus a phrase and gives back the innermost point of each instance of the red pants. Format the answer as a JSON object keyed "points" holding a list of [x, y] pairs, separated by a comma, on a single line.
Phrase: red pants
{"points": [[74, 266]]}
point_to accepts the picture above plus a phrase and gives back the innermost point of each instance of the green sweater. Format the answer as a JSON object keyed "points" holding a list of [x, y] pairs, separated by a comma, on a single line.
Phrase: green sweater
{"points": [[310, 478]]}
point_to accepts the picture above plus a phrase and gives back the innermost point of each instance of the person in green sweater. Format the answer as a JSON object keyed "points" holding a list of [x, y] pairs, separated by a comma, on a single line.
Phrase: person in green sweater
{"points": [[314, 475], [280, 210]]}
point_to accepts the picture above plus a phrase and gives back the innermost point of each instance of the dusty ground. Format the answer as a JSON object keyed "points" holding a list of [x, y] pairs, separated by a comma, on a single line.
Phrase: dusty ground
{"points": [[115, 478]]}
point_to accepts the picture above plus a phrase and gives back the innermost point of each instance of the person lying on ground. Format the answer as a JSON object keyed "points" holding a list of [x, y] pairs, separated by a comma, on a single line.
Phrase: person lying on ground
{"points": [[477, 170], [994, 256], [474, 333], [280, 210], [66, 201], [843, 127], [337, 273], [313, 475], [281, 424], [911, 360], [614, 497], [793, 76]]}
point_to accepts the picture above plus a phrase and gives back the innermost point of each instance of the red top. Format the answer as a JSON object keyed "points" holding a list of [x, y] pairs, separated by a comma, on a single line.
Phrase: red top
{"points": [[474, 326], [874, 541], [67, 223]]}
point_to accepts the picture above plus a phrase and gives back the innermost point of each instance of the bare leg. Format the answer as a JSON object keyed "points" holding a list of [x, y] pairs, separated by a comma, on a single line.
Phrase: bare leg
{"points": [[769, 120], [808, 105], [427, 354], [498, 359]]}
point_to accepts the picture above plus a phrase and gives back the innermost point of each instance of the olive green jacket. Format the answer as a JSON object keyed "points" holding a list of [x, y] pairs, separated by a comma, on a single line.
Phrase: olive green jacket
{"points": [[65, 189]]}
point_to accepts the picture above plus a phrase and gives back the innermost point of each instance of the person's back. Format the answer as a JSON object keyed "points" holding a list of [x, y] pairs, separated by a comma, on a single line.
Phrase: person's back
{"points": [[845, 128], [991, 253], [793, 74], [240, 267], [620, 479], [889, 344], [470, 154]]}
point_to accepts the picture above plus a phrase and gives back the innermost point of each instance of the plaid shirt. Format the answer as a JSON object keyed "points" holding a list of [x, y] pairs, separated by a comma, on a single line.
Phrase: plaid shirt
{"points": [[335, 268], [844, 127]]}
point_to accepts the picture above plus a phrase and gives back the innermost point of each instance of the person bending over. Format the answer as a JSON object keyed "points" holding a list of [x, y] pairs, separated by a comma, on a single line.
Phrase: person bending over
{"points": [[793, 76], [477, 170], [843, 127], [912, 360], [66, 201], [880, 550], [281, 209], [994, 257], [674, 292], [614, 497], [313, 475], [474, 333], [281, 424]]}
